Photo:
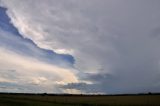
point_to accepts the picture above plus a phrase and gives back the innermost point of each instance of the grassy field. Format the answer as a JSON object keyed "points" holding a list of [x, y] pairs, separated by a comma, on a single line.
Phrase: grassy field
{"points": [[79, 100]]}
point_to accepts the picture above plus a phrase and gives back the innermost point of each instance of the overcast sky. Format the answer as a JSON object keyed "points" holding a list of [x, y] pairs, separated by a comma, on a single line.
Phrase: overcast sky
{"points": [[80, 46]]}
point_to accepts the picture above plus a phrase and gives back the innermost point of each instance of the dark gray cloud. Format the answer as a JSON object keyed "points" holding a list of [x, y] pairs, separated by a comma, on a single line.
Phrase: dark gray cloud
{"points": [[115, 85]]}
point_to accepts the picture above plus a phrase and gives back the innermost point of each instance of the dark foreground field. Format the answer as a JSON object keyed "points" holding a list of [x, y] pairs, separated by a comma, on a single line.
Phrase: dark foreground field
{"points": [[78, 100]]}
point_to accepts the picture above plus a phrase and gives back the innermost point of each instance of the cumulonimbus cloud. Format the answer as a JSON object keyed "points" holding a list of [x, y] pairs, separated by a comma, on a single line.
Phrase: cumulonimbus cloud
{"points": [[107, 37]]}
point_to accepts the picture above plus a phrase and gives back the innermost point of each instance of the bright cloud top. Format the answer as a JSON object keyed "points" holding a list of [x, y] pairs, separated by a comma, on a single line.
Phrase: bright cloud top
{"points": [[115, 43]]}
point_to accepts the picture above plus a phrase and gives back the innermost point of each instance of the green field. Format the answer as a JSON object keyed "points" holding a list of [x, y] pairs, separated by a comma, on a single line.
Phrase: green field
{"points": [[78, 100]]}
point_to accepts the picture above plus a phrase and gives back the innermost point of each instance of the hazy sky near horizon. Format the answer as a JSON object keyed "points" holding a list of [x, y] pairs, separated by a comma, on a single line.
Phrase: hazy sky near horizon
{"points": [[76, 46]]}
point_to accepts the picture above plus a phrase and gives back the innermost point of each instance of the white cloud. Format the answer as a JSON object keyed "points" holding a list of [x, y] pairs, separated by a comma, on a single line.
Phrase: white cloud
{"points": [[29, 71], [107, 36]]}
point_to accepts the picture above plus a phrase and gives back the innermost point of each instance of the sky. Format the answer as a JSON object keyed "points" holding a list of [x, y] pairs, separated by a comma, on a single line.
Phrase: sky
{"points": [[75, 46]]}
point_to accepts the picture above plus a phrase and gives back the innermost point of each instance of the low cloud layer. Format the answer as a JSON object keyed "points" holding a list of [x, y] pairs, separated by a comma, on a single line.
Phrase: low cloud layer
{"points": [[115, 43], [25, 71]]}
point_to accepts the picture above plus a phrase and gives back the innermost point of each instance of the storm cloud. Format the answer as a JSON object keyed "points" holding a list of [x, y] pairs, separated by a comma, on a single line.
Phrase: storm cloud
{"points": [[114, 43]]}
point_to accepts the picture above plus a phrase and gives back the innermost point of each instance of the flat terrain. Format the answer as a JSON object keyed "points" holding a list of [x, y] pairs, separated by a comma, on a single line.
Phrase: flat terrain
{"points": [[78, 100]]}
